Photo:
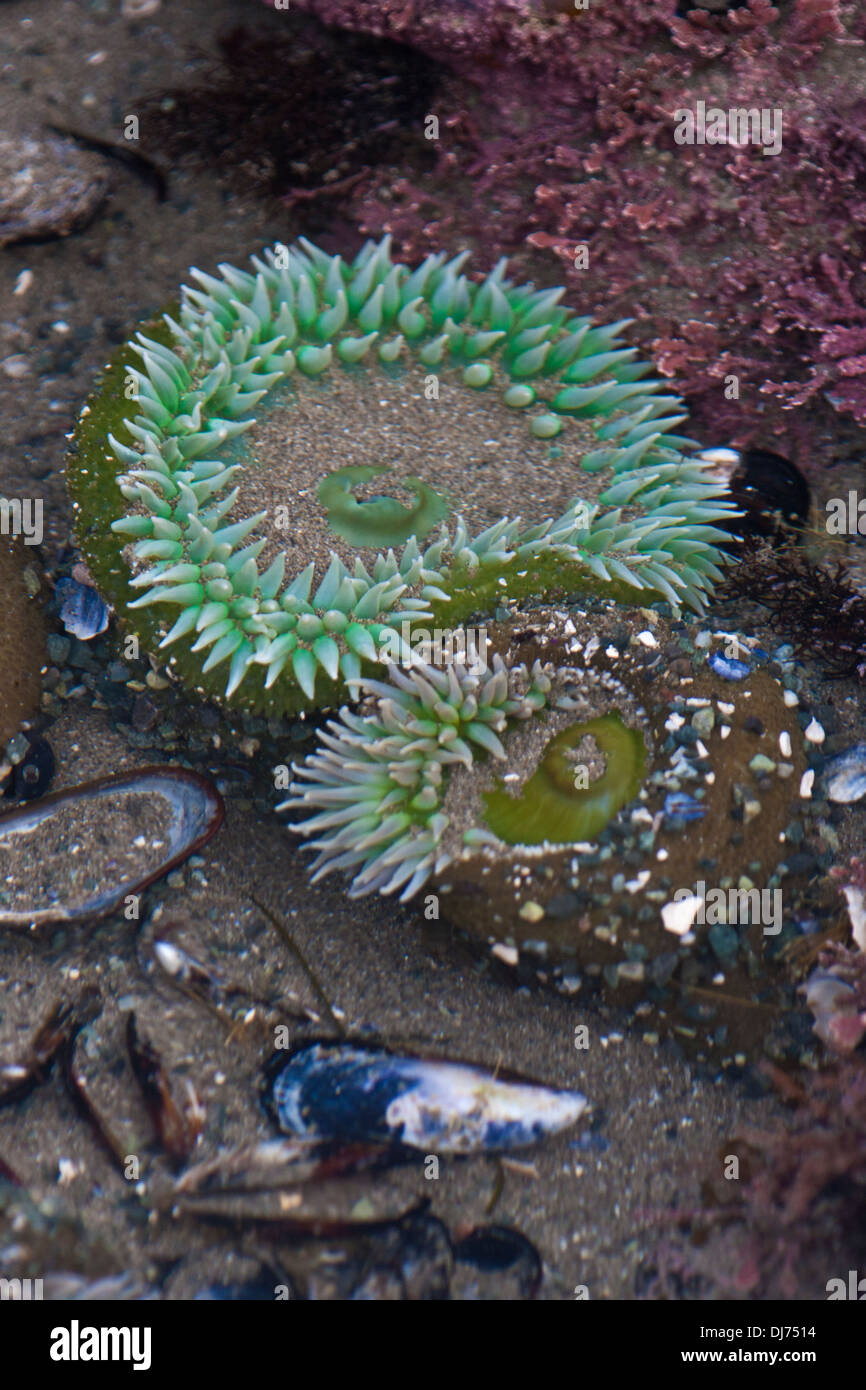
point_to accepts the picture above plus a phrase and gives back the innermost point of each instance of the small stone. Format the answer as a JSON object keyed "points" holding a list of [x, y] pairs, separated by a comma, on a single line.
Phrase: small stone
{"points": [[785, 743], [531, 912], [16, 367], [144, 714], [704, 721], [761, 763], [632, 970], [807, 782], [59, 648], [724, 942], [814, 732], [753, 725], [157, 682], [569, 984]]}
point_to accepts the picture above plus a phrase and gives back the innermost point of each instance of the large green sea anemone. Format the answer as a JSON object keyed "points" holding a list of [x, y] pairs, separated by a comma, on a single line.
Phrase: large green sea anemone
{"points": [[241, 514]]}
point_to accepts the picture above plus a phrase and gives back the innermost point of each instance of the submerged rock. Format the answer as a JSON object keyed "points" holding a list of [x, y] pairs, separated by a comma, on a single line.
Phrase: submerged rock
{"points": [[49, 186]]}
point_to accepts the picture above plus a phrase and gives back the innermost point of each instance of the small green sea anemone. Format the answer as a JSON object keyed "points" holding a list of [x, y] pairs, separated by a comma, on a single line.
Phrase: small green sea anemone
{"points": [[580, 797], [237, 518]]}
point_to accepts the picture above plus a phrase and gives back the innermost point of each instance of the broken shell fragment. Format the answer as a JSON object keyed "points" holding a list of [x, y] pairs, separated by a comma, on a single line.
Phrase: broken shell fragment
{"points": [[75, 855], [845, 774], [352, 1094]]}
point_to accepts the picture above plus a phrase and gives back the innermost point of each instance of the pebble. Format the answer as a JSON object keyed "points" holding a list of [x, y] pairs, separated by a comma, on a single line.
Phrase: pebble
{"points": [[532, 912], [49, 185], [144, 714], [59, 648], [727, 667], [704, 721], [17, 748], [761, 763], [16, 367], [845, 775], [814, 732]]}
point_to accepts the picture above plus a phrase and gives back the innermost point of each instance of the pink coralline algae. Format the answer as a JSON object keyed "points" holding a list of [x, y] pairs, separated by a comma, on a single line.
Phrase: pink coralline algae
{"points": [[556, 138]]}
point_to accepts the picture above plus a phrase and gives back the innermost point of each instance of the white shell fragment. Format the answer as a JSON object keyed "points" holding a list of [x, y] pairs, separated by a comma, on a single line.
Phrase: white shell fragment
{"points": [[845, 775], [679, 917], [349, 1094]]}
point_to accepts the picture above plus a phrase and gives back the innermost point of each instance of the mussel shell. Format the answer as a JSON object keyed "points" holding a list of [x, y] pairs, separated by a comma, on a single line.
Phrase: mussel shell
{"points": [[197, 813], [352, 1094]]}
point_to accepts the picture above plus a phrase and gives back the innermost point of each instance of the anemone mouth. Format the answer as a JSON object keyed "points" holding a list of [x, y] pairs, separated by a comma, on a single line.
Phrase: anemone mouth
{"points": [[587, 772], [284, 613]]}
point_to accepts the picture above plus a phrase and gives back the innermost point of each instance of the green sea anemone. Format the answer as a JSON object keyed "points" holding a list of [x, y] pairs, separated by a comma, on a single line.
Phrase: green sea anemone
{"points": [[234, 519], [572, 798]]}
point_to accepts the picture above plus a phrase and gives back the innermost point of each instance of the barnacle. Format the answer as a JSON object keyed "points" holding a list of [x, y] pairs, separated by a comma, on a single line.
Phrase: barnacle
{"points": [[303, 343]]}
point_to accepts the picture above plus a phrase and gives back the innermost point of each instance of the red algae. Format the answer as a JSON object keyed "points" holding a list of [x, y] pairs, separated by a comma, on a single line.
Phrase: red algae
{"points": [[556, 136]]}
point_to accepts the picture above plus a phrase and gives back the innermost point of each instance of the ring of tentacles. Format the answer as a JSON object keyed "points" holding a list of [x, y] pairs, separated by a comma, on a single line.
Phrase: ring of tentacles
{"points": [[278, 476]]}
